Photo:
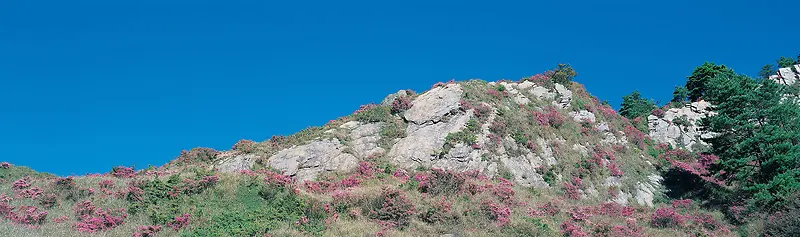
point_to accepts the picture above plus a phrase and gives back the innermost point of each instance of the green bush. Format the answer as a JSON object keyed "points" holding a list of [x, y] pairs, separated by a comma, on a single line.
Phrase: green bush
{"points": [[258, 209], [372, 114]]}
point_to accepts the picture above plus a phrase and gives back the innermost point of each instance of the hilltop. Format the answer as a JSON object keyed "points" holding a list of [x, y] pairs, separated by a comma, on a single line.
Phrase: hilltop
{"points": [[535, 157]]}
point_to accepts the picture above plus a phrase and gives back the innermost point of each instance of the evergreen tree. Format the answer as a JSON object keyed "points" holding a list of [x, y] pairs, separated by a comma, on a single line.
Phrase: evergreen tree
{"points": [[696, 83], [757, 137], [634, 106], [786, 62], [767, 70], [680, 94]]}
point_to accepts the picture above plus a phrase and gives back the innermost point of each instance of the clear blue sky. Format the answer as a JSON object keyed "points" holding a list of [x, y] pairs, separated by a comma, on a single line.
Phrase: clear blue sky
{"points": [[87, 85]]}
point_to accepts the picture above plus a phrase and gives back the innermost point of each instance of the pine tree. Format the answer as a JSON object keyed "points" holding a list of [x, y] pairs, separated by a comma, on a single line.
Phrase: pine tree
{"points": [[696, 83], [757, 137], [634, 106]]}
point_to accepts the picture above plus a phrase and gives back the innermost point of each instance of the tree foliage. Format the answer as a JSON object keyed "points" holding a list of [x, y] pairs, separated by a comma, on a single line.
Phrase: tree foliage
{"points": [[680, 95], [767, 70], [634, 106], [696, 83], [563, 74], [786, 61], [757, 138]]}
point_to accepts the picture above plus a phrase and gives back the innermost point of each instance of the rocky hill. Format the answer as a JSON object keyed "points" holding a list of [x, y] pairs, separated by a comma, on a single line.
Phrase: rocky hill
{"points": [[537, 157]]}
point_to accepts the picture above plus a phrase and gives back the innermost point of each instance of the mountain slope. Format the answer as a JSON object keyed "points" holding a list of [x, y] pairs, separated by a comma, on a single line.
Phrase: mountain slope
{"points": [[536, 157]]}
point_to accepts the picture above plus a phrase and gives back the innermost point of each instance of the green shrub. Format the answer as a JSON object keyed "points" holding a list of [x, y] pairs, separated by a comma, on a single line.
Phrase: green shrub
{"points": [[374, 113], [258, 209], [452, 139]]}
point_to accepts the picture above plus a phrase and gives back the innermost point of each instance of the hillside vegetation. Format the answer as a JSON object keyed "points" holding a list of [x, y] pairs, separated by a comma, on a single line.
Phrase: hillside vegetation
{"points": [[534, 157]]}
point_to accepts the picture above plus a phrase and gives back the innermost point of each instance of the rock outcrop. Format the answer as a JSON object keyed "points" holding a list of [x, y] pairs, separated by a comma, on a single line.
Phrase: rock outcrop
{"points": [[230, 162], [364, 140], [679, 127], [306, 162], [788, 75], [432, 106]]}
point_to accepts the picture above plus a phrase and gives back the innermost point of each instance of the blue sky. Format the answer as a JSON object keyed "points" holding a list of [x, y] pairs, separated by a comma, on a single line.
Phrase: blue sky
{"points": [[87, 85]]}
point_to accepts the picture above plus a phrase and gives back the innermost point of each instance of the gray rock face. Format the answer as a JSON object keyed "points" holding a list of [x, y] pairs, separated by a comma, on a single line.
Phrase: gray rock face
{"points": [[583, 115], [431, 106], [306, 162], [234, 162], [524, 172], [423, 142], [645, 192], [515, 95], [788, 75], [565, 97], [669, 130], [365, 140], [542, 93]]}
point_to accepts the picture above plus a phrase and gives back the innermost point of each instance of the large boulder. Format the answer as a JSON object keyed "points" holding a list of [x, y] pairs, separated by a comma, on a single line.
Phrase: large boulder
{"points": [[433, 105], [306, 162]]}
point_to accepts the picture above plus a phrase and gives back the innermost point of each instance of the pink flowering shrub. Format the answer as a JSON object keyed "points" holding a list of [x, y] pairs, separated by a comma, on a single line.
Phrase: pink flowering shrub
{"points": [[682, 203], [244, 145], [636, 136], [580, 213], [630, 229], [32, 193], [367, 169], [497, 94], [27, 215], [615, 170], [440, 212], [573, 189], [319, 186], [547, 209], [21, 183], [350, 181], [614, 209], [497, 212], [658, 113], [667, 218], [180, 222], [101, 220], [401, 104], [402, 175], [147, 231], [571, 229], [539, 79], [273, 178], [5, 165], [123, 172], [392, 208], [198, 154], [482, 110], [106, 183], [504, 191], [191, 186], [608, 112], [550, 117], [441, 182]]}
